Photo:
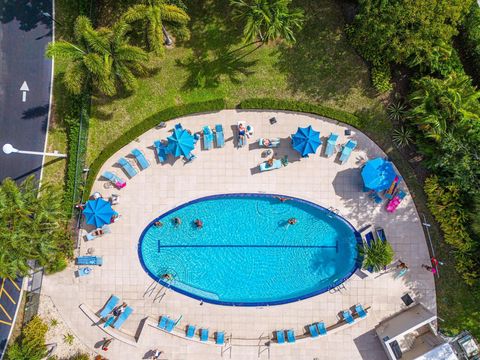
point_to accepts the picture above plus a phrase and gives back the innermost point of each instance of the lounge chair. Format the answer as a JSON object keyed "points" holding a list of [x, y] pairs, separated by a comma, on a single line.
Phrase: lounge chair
{"points": [[219, 338], [90, 260], [196, 137], [203, 334], [347, 151], [127, 167], [161, 151], [84, 271], [141, 159], [290, 336], [242, 138], [109, 306], [92, 235], [190, 157], [170, 325], [272, 143], [178, 126], [360, 311], [322, 329], [207, 138], [122, 317], [109, 321], [280, 336], [347, 316], [313, 330], [117, 181], [162, 324], [331, 142], [277, 164], [381, 234], [190, 331], [219, 137], [397, 199], [369, 238], [375, 197]]}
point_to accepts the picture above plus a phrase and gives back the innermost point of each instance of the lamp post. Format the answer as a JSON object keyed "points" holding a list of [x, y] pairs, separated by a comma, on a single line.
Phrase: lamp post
{"points": [[9, 149], [48, 15]]}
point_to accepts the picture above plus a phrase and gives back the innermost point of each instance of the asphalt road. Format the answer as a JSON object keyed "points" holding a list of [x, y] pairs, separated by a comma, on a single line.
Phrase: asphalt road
{"points": [[24, 34]]}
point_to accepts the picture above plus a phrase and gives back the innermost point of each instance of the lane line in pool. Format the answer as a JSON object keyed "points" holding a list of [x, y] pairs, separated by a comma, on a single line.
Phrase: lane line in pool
{"points": [[252, 246]]}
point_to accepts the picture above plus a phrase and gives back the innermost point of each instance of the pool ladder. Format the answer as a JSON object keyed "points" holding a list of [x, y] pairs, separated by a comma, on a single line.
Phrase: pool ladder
{"points": [[161, 292], [333, 210]]}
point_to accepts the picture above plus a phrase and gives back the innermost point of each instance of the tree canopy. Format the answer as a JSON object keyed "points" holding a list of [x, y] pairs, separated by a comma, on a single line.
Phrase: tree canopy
{"points": [[408, 31]]}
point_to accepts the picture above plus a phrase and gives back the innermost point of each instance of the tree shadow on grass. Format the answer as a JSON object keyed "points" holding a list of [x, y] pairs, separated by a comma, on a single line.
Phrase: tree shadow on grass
{"points": [[322, 63]]}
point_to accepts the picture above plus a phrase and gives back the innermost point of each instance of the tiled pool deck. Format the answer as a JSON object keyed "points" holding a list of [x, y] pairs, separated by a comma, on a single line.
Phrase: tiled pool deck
{"points": [[227, 170]]}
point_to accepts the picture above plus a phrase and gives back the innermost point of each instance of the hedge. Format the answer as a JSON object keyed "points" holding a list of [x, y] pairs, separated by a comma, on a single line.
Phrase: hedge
{"points": [[140, 128]]}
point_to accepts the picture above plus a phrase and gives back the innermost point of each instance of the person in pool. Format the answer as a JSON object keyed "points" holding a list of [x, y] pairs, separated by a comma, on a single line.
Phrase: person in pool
{"points": [[177, 221], [292, 221], [282, 199], [158, 223], [199, 223], [167, 277]]}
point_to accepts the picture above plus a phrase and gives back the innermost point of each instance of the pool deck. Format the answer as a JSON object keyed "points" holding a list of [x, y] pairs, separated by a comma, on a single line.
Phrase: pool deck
{"points": [[228, 170]]}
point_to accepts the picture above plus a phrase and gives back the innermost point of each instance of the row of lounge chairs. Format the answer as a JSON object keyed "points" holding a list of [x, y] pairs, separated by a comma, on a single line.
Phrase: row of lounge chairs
{"points": [[167, 324], [319, 329], [108, 308]]}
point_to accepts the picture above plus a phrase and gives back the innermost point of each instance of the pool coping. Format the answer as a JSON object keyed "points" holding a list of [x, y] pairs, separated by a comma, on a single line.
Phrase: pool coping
{"points": [[336, 283]]}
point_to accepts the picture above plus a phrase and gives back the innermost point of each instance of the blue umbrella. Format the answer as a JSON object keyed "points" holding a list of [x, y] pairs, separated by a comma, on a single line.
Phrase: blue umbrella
{"points": [[180, 143], [98, 212], [306, 141], [378, 174]]}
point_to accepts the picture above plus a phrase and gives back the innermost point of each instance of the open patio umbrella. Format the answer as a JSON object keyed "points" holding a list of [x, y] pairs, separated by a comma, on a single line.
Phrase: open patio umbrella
{"points": [[378, 174], [98, 212], [306, 141], [180, 143]]}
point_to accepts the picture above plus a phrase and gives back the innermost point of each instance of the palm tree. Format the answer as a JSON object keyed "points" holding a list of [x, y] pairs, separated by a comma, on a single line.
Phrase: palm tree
{"points": [[157, 14], [267, 20], [85, 59], [377, 255]]}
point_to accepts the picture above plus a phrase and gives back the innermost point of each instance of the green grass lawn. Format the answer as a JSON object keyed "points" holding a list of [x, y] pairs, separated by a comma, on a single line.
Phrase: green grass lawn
{"points": [[321, 68]]}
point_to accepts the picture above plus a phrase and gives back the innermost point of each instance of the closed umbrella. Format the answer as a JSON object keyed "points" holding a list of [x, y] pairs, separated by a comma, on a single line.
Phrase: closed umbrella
{"points": [[378, 174], [306, 141], [180, 143], [98, 212]]}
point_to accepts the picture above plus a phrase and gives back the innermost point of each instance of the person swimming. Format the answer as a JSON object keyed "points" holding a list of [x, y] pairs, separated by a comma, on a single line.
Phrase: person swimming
{"points": [[199, 223], [177, 221], [158, 223], [292, 221]]}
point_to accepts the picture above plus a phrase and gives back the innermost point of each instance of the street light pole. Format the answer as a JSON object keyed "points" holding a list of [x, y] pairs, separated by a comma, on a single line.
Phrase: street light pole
{"points": [[46, 14], [9, 149]]}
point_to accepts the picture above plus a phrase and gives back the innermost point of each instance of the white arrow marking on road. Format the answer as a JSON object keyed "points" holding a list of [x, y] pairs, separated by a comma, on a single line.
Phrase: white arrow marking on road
{"points": [[24, 90]]}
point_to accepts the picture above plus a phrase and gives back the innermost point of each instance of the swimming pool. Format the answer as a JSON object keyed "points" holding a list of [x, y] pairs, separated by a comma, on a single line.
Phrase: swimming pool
{"points": [[246, 253]]}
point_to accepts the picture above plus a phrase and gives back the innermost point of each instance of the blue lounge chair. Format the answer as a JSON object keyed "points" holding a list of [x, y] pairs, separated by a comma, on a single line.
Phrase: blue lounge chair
{"points": [[84, 271], [277, 164], [117, 181], [178, 126], [162, 324], [360, 311], [280, 336], [220, 338], [170, 325], [322, 329], [109, 306], [347, 316], [91, 235], [290, 336], [196, 137], [122, 317], [313, 330], [203, 334], [369, 238], [381, 234], [127, 167], [109, 321], [332, 141], [207, 138], [347, 151], [141, 159], [272, 142], [190, 331], [190, 157], [90, 260], [161, 151], [219, 137]]}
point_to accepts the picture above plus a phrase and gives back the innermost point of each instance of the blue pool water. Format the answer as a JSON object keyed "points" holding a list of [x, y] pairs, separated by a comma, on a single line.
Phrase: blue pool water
{"points": [[247, 254]]}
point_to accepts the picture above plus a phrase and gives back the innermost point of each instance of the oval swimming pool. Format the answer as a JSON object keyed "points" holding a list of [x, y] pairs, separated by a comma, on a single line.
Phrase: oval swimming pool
{"points": [[247, 253]]}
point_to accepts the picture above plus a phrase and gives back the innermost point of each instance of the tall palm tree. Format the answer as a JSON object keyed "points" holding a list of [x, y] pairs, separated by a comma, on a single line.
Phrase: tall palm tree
{"points": [[157, 14], [268, 20]]}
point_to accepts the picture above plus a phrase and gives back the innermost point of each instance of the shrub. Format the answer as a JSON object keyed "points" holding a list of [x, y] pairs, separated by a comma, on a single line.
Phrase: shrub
{"points": [[471, 39], [59, 263], [396, 111], [381, 78], [80, 356], [31, 343], [376, 256], [140, 128], [68, 339], [403, 136]]}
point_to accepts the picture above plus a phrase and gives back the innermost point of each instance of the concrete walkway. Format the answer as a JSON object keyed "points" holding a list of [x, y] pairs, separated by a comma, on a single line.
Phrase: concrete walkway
{"points": [[318, 179]]}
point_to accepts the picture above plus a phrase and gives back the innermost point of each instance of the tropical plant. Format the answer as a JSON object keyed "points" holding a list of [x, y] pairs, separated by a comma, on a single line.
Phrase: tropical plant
{"points": [[376, 256], [31, 343], [68, 339], [402, 136], [396, 111], [156, 14], [381, 78], [101, 57], [32, 226], [53, 322], [267, 20], [440, 106]]}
